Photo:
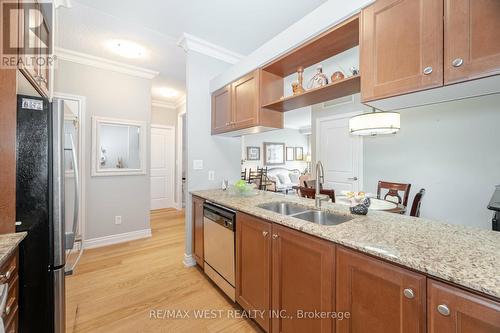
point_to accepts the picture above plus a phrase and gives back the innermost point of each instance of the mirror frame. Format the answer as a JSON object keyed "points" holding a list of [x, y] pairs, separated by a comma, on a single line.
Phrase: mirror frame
{"points": [[96, 170]]}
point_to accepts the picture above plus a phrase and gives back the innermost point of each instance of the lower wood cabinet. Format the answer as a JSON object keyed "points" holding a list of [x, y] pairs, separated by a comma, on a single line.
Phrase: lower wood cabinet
{"points": [[303, 282], [9, 276], [381, 298], [452, 310], [197, 216], [253, 266]]}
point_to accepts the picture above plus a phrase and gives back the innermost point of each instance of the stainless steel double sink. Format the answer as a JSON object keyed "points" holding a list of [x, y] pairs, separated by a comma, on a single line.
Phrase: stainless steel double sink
{"points": [[305, 213]]}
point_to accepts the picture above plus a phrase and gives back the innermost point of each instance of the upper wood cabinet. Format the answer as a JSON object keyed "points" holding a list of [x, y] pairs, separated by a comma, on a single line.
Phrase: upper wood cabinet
{"points": [[452, 310], [237, 106], [472, 46], [381, 297], [303, 281], [253, 266], [197, 217], [401, 47]]}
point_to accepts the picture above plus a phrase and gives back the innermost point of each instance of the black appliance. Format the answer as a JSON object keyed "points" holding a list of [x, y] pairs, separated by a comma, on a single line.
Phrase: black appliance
{"points": [[494, 205], [40, 212]]}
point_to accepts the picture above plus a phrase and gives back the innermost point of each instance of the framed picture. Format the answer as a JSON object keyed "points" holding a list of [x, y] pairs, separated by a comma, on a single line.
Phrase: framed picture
{"points": [[274, 153], [290, 153], [253, 153], [299, 153]]}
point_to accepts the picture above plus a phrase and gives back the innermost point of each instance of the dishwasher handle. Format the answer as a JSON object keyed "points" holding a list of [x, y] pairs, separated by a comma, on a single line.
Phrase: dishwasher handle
{"points": [[224, 218]]}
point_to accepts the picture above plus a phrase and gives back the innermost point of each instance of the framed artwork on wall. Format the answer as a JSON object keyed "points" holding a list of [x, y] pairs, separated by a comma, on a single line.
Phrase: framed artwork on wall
{"points": [[299, 153], [253, 153], [290, 153], [274, 153]]}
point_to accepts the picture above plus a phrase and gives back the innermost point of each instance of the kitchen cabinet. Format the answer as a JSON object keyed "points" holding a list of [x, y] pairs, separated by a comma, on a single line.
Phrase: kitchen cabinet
{"points": [[303, 281], [401, 47], [381, 297], [253, 266], [471, 48], [37, 70], [197, 217], [237, 106], [9, 276], [452, 310]]}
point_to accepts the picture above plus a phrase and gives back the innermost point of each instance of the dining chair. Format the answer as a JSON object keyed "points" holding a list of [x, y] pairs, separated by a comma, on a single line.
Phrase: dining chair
{"points": [[417, 202], [393, 190], [244, 174], [311, 183], [307, 192]]}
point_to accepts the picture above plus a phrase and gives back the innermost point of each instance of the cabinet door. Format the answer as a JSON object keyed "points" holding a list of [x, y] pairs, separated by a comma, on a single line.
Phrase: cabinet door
{"points": [[43, 70], [401, 47], [198, 230], [452, 310], [303, 281], [246, 106], [380, 297], [221, 110], [253, 266], [472, 39]]}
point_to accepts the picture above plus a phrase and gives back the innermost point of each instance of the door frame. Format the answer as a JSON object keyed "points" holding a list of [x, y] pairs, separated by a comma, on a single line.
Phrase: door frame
{"points": [[82, 139], [319, 120], [168, 127]]}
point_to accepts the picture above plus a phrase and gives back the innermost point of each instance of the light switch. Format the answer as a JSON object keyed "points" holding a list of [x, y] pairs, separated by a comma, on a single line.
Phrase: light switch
{"points": [[198, 164], [211, 175]]}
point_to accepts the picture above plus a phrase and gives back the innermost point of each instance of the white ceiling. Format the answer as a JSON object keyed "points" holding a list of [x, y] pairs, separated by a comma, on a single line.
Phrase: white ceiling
{"points": [[240, 26]]}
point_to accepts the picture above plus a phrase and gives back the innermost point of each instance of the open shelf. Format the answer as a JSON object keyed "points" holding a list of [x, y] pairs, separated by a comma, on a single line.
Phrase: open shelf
{"points": [[340, 38], [349, 86]]}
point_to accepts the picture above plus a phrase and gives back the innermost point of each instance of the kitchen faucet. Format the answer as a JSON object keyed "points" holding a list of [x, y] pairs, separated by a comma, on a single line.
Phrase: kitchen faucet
{"points": [[320, 178]]}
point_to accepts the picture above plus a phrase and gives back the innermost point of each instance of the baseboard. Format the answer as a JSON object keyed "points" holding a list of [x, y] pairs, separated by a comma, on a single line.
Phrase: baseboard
{"points": [[116, 239], [189, 260]]}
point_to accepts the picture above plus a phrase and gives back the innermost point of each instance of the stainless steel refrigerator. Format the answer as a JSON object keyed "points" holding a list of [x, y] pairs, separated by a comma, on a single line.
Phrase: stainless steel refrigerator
{"points": [[40, 210]]}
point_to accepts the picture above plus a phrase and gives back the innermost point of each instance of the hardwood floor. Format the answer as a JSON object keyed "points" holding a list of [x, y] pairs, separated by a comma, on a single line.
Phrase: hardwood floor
{"points": [[117, 288]]}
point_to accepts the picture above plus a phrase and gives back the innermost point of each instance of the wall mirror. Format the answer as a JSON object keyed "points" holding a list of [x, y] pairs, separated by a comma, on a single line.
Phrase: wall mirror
{"points": [[118, 147]]}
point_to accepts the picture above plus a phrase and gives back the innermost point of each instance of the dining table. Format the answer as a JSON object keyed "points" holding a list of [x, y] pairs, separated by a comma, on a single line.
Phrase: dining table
{"points": [[376, 204]]}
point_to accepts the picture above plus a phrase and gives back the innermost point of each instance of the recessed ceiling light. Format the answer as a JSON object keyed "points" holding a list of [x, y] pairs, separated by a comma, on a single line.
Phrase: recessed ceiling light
{"points": [[169, 92], [126, 48]]}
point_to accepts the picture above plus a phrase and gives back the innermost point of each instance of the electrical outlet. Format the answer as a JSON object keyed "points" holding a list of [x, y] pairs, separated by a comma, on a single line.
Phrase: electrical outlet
{"points": [[118, 220], [211, 175], [197, 164]]}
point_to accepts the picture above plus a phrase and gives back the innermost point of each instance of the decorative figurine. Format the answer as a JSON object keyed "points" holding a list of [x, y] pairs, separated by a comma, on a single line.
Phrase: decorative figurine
{"points": [[337, 76], [354, 70], [362, 208], [297, 86], [319, 79]]}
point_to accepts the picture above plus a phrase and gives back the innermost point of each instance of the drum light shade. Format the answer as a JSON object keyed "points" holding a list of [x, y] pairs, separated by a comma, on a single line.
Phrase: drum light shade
{"points": [[375, 123]]}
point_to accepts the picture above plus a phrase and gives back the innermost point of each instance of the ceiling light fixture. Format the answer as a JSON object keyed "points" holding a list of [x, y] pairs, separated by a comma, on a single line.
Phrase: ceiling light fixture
{"points": [[126, 48], [375, 123], [169, 92]]}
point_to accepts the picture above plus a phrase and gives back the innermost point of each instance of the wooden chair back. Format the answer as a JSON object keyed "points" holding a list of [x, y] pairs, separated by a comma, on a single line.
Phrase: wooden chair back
{"points": [[307, 192], [258, 177], [393, 190], [417, 202], [311, 183], [244, 174]]}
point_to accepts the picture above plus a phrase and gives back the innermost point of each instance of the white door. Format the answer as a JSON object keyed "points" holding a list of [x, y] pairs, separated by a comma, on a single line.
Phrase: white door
{"points": [[340, 153], [162, 167]]}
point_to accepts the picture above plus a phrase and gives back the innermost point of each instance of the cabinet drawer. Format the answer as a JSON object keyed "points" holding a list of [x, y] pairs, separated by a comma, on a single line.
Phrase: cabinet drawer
{"points": [[9, 269], [11, 306], [12, 326]]}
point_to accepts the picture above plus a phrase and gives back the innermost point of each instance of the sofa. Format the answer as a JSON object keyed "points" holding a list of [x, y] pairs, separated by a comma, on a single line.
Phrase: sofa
{"points": [[284, 179]]}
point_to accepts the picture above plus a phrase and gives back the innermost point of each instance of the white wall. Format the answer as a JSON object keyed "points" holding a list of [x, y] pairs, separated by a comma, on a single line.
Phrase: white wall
{"points": [[110, 94], [290, 137], [450, 149], [220, 154], [163, 116]]}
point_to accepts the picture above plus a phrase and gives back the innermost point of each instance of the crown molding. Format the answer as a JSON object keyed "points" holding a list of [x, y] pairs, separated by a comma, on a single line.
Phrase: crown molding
{"points": [[102, 63], [169, 105], [191, 43]]}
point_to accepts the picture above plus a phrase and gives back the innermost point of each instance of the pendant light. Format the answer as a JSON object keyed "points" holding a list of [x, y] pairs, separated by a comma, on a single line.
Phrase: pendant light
{"points": [[375, 123]]}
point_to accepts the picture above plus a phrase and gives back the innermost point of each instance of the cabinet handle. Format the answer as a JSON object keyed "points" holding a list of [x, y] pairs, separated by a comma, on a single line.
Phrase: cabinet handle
{"points": [[227, 124], [409, 293], [427, 70], [276, 236], [457, 62], [6, 276], [265, 233], [443, 309]]}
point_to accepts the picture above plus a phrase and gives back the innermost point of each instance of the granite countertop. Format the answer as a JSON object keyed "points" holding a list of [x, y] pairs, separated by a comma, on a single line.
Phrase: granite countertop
{"points": [[8, 243], [466, 256]]}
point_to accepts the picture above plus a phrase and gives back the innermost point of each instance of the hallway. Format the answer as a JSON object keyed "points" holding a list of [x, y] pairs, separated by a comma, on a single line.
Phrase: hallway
{"points": [[117, 288]]}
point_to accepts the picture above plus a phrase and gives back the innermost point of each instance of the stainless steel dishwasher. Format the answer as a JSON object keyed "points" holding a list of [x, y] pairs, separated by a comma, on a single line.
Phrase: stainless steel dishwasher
{"points": [[219, 227]]}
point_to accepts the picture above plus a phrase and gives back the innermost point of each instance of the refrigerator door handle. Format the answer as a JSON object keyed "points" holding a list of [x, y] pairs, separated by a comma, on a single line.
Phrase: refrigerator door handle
{"points": [[70, 236], [59, 250]]}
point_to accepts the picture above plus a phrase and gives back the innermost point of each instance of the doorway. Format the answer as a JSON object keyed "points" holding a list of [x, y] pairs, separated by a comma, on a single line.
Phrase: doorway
{"points": [[162, 167], [340, 152]]}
